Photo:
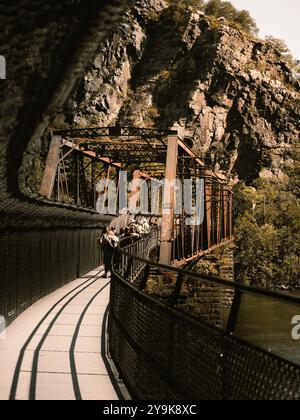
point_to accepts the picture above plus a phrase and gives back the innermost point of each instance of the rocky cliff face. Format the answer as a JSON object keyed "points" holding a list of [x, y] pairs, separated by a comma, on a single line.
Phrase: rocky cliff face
{"points": [[232, 97], [47, 45]]}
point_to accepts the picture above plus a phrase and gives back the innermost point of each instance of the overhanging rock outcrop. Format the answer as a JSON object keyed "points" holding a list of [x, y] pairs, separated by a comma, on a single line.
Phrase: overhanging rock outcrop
{"points": [[47, 46], [229, 94]]}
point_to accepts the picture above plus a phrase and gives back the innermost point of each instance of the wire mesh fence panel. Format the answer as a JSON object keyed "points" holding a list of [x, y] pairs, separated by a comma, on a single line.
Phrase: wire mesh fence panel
{"points": [[8, 278], [164, 353], [35, 263], [36, 266]]}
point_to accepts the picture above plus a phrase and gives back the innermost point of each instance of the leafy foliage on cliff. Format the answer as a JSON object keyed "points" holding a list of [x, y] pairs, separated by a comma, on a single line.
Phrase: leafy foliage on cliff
{"points": [[268, 231], [241, 18], [184, 4], [282, 47]]}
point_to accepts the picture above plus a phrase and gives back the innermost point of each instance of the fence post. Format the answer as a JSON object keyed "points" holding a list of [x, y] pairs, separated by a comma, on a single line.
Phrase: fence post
{"points": [[128, 269], [143, 282], [177, 290], [234, 313]]}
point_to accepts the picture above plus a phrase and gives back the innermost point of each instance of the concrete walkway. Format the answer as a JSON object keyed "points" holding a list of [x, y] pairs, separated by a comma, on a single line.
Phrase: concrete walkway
{"points": [[53, 351]]}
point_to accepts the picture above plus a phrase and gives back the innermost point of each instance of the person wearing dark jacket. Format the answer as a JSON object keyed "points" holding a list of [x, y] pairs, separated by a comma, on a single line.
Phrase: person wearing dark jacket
{"points": [[109, 243]]}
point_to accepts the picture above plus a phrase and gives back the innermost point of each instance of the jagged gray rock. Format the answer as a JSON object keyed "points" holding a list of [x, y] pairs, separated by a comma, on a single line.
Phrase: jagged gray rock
{"points": [[47, 47], [232, 95]]}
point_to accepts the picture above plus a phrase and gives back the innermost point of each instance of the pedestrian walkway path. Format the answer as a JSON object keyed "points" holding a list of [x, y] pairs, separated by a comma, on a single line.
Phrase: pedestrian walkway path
{"points": [[55, 350]]}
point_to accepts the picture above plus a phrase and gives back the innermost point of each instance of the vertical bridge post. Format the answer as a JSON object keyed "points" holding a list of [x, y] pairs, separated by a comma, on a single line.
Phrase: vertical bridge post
{"points": [[231, 231], [51, 167], [208, 205], [167, 231], [225, 215]]}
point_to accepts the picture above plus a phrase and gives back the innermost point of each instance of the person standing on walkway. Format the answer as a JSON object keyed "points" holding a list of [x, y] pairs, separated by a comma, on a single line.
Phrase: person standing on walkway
{"points": [[109, 243]]}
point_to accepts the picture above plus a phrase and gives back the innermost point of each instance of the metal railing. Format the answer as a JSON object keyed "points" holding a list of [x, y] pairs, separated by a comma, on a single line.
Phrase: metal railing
{"points": [[163, 353], [130, 267], [35, 263]]}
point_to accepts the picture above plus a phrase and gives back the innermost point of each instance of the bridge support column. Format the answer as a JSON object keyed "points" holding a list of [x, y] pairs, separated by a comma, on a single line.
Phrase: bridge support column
{"points": [[51, 167], [225, 215], [219, 212], [212, 302], [208, 205], [231, 231], [167, 232]]}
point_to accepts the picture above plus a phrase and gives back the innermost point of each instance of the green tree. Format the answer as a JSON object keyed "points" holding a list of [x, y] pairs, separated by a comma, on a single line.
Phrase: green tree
{"points": [[226, 9], [278, 43], [293, 172], [259, 250], [220, 8], [179, 8], [195, 4], [268, 230], [282, 47], [244, 18]]}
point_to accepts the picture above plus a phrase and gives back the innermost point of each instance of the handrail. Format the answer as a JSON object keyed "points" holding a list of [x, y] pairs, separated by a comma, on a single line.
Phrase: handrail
{"points": [[195, 321], [163, 352], [215, 280]]}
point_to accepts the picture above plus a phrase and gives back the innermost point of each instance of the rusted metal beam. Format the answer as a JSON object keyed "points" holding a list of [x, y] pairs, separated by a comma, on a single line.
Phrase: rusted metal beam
{"points": [[181, 263], [89, 154], [51, 167], [231, 232], [225, 216], [183, 146], [102, 159], [167, 232], [219, 209], [208, 206], [95, 132]]}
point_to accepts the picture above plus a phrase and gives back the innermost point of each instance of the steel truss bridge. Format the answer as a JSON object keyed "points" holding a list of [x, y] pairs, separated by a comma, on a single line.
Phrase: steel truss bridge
{"points": [[146, 155], [156, 346]]}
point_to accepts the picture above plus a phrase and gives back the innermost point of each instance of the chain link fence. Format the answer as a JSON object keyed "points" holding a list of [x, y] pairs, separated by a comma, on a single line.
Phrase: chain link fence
{"points": [[162, 353]]}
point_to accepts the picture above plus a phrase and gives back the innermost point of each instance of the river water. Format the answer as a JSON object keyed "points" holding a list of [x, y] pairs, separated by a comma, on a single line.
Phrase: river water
{"points": [[268, 323]]}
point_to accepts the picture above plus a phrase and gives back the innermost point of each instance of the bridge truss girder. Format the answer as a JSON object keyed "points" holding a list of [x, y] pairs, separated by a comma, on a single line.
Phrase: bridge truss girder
{"points": [[147, 154]]}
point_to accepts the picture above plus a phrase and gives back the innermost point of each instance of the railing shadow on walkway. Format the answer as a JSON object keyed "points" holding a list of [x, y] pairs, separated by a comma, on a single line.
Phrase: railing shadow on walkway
{"points": [[164, 353]]}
